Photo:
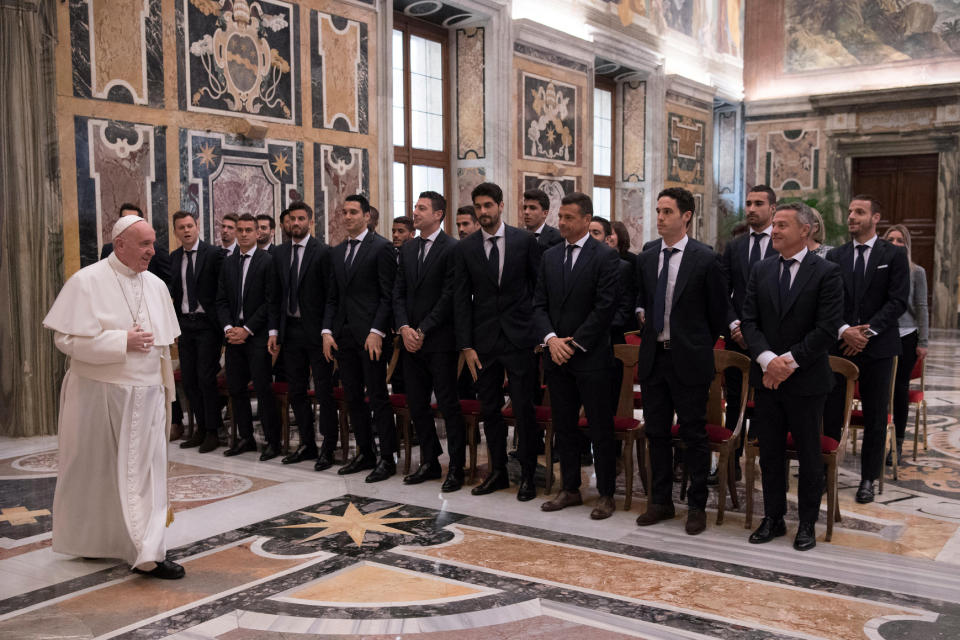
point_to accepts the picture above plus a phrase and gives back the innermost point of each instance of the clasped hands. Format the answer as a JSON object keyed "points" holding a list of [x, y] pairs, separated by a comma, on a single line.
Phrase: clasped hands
{"points": [[139, 340], [560, 349], [412, 339], [237, 335], [855, 339], [777, 371]]}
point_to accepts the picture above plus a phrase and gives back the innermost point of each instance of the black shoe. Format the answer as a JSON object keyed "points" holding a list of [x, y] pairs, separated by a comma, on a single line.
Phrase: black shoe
{"points": [[241, 446], [806, 537], [269, 452], [527, 490], [303, 452], [384, 469], [498, 479], [166, 570], [210, 442], [865, 492], [696, 521], [360, 462], [426, 471], [195, 440], [454, 480], [655, 513], [769, 529], [324, 461]]}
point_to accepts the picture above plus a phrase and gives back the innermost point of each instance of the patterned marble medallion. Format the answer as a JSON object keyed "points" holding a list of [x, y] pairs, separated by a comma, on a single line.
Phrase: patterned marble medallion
{"points": [[45, 462], [207, 486]]}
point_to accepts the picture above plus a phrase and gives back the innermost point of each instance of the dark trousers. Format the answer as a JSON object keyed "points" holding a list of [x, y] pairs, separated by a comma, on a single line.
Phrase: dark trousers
{"points": [[199, 347], [521, 380], [365, 390], [435, 371], [568, 391], [776, 414], [666, 393], [246, 362], [465, 383], [901, 387], [301, 356], [734, 382], [875, 399]]}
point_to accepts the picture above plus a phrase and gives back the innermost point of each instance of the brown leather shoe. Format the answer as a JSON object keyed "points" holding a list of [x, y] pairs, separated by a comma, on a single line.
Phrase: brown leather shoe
{"points": [[655, 513], [604, 509], [563, 500], [696, 521]]}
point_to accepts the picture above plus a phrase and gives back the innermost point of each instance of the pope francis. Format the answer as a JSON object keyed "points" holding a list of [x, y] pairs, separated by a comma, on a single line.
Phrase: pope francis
{"points": [[115, 322]]}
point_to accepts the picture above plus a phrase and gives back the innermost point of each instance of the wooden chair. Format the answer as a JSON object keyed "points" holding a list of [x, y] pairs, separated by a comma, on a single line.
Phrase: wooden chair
{"points": [[544, 420], [470, 410], [723, 440], [919, 404], [831, 450], [398, 403], [889, 438]]}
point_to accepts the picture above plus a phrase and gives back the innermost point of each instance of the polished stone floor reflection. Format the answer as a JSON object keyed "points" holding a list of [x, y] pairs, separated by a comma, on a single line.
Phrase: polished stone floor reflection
{"points": [[285, 553]]}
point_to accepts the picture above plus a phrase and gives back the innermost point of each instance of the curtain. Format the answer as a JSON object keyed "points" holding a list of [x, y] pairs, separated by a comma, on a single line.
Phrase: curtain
{"points": [[31, 229]]}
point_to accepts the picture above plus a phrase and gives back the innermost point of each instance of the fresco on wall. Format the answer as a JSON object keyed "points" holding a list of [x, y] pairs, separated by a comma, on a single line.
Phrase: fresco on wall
{"points": [[633, 129], [729, 27], [338, 173], [240, 58], [470, 93], [686, 138], [822, 34], [549, 119], [554, 186], [631, 214], [222, 174], [793, 160], [117, 50], [467, 179], [339, 72], [118, 162]]}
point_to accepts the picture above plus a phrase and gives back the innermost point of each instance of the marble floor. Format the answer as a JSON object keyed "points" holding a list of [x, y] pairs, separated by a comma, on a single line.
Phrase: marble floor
{"points": [[282, 552]]}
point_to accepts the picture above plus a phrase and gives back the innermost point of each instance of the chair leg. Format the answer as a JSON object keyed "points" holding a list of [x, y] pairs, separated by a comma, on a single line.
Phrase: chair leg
{"points": [[894, 458], [833, 508], [723, 468], [344, 434], [628, 446], [732, 483], [548, 457], [405, 426], [923, 405], [750, 462], [883, 458], [916, 432], [284, 424], [472, 442], [642, 463]]}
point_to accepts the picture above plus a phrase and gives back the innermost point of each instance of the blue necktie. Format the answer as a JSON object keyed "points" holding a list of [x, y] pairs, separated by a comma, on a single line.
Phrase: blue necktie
{"points": [[755, 249], [660, 299], [352, 252], [568, 266], [785, 279]]}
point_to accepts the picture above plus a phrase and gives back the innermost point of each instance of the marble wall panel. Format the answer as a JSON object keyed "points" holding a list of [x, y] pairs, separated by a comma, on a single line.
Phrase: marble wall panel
{"points": [[467, 179], [750, 168], [338, 172], [117, 50], [117, 162], [550, 119], [222, 174], [793, 160], [631, 215], [554, 186], [242, 63], [633, 133], [339, 72], [686, 142], [470, 93], [726, 151]]}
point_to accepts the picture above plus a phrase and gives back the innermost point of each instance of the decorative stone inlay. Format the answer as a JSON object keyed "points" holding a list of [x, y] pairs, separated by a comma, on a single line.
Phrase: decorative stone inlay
{"points": [[45, 462], [206, 486]]}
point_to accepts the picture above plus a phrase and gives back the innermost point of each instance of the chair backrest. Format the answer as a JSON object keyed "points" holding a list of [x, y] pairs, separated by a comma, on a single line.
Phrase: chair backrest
{"points": [[850, 373], [919, 370], [717, 401], [394, 358], [629, 356]]}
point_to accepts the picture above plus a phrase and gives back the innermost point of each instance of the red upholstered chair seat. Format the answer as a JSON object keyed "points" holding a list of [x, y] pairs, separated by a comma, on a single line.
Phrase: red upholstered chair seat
{"points": [[827, 444], [542, 413], [221, 382], [619, 423], [637, 400], [280, 387], [915, 395], [338, 393], [715, 432], [398, 400], [467, 407]]}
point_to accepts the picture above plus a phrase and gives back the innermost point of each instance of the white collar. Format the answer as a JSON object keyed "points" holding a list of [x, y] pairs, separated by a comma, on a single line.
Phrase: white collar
{"points": [[249, 253], [433, 236], [196, 245], [869, 242], [303, 242], [798, 256], [679, 246], [363, 234], [231, 247], [119, 267], [767, 232], [540, 230], [580, 242], [499, 233]]}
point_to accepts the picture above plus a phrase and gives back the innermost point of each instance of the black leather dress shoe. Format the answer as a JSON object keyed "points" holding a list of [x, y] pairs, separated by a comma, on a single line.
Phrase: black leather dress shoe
{"points": [[655, 513], [563, 500], [806, 537], [527, 490], [269, 452], [384, 469], [210, 442], [865, 492], [498, 479], [166, 570], [696, 521], [769, 529], [324, 461], [453, 481], [303, 452], [426, 471], [195, 440], [241, 446], [360, 462]]}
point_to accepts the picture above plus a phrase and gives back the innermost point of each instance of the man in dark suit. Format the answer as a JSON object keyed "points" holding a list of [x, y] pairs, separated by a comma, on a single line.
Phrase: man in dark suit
{"points": [[466, 221], [355, 323], [423, 316], [160, 262], [247, 306], [575, 301], [536, 205], [683, 300], [228, 233], [496, 276], [790, 315], [303, 272], [876, 285], [266, 230], [193, 287], [739, 256]]}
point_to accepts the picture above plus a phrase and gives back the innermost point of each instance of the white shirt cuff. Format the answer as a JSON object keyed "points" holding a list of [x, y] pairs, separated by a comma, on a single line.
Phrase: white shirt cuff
{"points": [[842, 329], [546, 338], [764, 359], [378, 332], [790, 361], [326, 331], [227, 328], [247, 329], [734, 325], [273, 332]]}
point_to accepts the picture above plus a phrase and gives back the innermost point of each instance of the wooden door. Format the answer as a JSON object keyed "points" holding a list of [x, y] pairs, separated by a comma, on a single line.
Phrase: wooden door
{"points": [[907, 188]]}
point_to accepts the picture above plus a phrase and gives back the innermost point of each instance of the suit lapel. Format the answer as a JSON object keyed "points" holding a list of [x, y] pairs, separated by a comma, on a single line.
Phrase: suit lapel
{"points": [[875, 255], [586, 255], [771, 282], [362, 250], [745, 259], [202, 250], [438, 243], [804, 271], [305, 260], [687, 258], [651, 274]]}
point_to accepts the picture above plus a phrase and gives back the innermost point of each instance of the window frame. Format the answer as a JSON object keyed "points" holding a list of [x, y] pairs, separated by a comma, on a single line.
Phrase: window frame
{"points": [[601, 181]]}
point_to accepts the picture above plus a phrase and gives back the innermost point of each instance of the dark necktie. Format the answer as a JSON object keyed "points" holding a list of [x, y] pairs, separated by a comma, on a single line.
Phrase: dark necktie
{"points": [[660, 298], [755, 249], [351, 252], [192, 302], [243, 258], [493, 259], [859, 271], [421, 254], [785, 279], [568, 266], [293, 302]]}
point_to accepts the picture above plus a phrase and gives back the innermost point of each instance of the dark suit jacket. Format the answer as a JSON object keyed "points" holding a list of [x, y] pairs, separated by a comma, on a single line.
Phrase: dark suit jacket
{"points": [[625, 318], [584, 308], [549, 237], [698, 312], [314, 278], [259, 295], [362, 297], [735, 262], [159, 263], [886, 289], [484, 308], [206, 267], [805, 325], [426, 303]]}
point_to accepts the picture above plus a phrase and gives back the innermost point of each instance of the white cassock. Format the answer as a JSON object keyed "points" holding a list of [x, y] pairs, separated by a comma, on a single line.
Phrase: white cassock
{"points": [[111, 495]]}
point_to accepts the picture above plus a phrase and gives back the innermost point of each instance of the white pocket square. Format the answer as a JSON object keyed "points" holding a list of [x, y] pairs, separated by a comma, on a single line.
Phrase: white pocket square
{"points": [[883, 266]]}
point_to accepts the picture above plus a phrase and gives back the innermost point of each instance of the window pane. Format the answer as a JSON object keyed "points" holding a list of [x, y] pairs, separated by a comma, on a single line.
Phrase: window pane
{"points": [[427, 179], [398, 124], [601, 202], [399, 190], [418, 55], [426, 93], [602, 122]]}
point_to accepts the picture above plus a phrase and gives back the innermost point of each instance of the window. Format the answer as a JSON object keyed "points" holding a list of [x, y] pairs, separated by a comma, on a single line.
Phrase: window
{"points": [[420, 151], [603, 149]]}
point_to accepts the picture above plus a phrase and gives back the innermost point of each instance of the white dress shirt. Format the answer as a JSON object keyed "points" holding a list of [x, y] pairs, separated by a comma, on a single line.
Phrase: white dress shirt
{"points": [[231, 248], [185, 304], [675, 259], [578, 246], [500, 235], [853, 265], [766, 357], [429, 240]]}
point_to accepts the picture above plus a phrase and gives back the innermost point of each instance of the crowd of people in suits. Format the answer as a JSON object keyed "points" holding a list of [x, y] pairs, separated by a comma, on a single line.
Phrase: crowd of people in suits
{"points": [[517, 307]]}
